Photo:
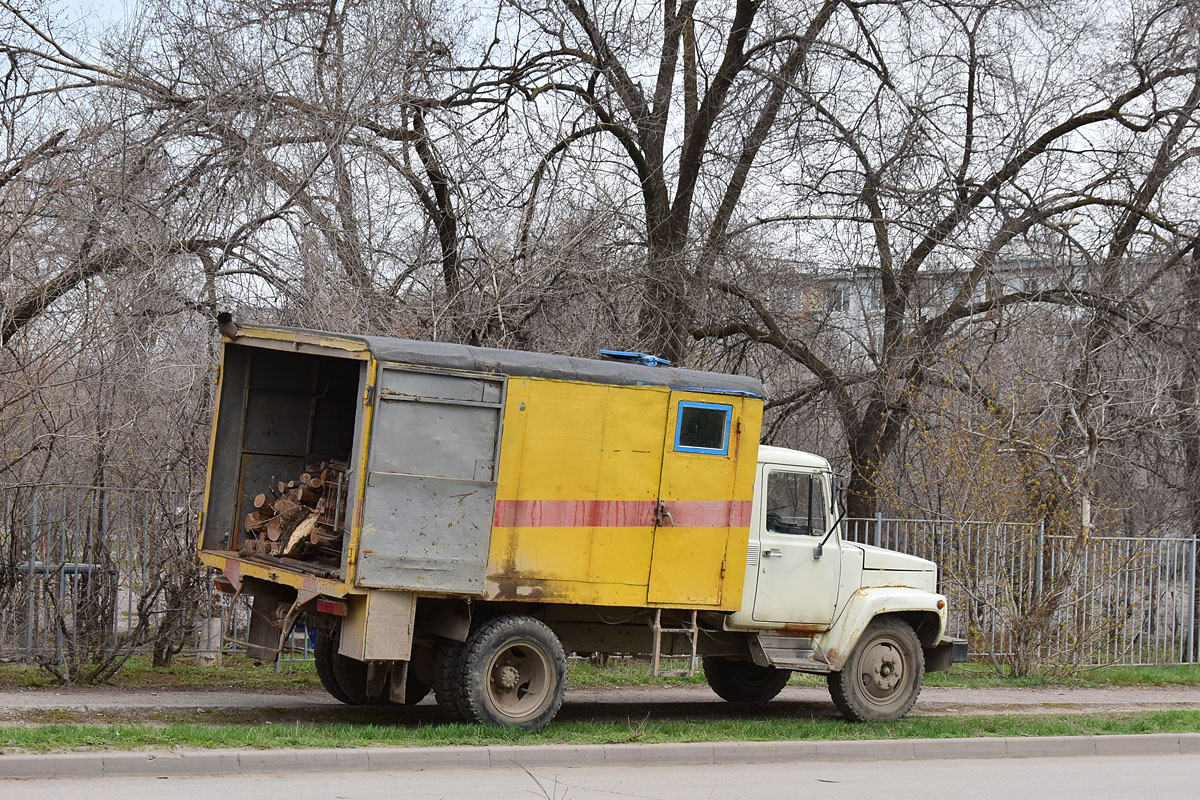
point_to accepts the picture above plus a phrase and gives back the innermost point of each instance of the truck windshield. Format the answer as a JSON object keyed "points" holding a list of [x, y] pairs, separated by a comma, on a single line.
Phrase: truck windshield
{"points": [[795, 503]]}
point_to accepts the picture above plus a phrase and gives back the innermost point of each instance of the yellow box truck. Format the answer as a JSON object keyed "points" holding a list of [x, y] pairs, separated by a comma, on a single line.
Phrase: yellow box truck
{"points": [[459, 519]]}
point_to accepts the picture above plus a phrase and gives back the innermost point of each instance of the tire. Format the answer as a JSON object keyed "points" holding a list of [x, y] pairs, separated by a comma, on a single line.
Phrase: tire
{"points": [[744, 681], [513, 673], [346, 679], [883, 676], [351, 676], [324, 652], [415, 689], [447, 658]]}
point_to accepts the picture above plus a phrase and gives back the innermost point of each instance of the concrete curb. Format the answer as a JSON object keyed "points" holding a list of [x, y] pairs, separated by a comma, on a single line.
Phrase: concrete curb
{"points": [[241, 762]]}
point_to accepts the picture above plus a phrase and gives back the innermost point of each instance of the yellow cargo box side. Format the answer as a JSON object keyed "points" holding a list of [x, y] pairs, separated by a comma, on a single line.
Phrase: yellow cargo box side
{"points": [[596, 504]]}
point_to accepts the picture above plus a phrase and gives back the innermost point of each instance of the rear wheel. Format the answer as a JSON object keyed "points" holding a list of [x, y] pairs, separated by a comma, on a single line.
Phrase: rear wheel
{"points": [[883, 675], [744, 681], [447, 658], [324, 651], [415, 689], [346, 678], [513, 673]]}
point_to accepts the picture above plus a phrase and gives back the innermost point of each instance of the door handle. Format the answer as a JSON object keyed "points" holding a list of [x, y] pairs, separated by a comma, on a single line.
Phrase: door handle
{"points": [[772, 553]]}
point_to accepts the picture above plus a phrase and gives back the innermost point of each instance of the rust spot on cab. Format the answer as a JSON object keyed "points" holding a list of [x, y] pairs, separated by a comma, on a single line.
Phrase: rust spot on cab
{"points": [[808, 631]]}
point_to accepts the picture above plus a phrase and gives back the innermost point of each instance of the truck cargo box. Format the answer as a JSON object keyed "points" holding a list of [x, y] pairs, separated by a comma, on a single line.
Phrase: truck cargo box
{"points": [[447, 470]]}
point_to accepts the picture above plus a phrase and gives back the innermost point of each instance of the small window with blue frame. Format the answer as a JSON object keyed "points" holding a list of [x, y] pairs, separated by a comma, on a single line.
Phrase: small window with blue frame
{"points": [[703, 428]]}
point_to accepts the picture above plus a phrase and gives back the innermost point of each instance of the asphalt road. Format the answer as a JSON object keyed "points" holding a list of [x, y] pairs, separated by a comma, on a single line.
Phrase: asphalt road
{"points": [[1164, 777]]}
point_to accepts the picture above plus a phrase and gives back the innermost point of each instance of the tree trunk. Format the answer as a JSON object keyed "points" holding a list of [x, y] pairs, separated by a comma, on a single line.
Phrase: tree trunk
{"points": [[665, 319]]}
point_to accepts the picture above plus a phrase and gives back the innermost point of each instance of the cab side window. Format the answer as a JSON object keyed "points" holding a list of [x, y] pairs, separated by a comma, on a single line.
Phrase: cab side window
{"points": [[795, 503]]}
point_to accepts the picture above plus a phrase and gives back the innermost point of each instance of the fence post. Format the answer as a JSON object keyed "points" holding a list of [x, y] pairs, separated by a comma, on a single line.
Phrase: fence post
{"points": [[31, 621], [1041, 550], [1193, 653], [879, 529]]}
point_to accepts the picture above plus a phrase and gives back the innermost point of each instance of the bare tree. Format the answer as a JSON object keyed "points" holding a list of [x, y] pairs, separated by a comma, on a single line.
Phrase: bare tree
{"points": [[674, 101], [930, 182]]}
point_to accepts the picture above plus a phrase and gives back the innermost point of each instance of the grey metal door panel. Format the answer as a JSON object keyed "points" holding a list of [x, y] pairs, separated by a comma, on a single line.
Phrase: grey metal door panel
{"points": [[431, 490], [444, 440], [429, 385], [426, 533]]}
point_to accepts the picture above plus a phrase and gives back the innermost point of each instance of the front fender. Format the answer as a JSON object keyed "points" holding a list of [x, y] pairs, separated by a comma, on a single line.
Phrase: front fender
{"points": [[918, 607]]}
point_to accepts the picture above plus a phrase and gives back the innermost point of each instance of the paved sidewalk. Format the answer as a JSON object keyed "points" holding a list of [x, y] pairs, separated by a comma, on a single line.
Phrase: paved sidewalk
{"points": [[242, 762]]}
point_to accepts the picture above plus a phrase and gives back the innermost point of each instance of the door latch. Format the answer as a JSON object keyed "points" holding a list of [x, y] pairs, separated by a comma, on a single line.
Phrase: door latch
{"points": [[661, 513], [772, 553]]}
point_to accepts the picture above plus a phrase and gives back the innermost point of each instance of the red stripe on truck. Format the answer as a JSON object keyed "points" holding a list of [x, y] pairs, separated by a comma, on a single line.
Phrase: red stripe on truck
{"points": [[620, 513]]}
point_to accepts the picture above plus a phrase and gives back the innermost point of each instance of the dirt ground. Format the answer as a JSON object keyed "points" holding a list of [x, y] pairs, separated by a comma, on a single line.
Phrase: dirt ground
{"points": [[90, 704]]}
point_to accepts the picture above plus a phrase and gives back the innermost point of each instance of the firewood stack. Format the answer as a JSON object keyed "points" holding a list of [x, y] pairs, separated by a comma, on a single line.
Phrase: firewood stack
{"points": [[301, 518]]}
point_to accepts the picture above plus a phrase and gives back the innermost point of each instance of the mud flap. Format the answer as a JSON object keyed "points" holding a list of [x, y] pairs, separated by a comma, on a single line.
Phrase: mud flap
{"points": [[946, 652]]}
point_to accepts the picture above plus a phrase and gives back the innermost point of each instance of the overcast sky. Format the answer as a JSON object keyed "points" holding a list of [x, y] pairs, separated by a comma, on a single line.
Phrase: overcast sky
{"points": [[105, 10]]}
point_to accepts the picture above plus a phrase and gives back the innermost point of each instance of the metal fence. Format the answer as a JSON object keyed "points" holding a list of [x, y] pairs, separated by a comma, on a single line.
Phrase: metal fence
{"points": [[82, 565], [76, 560], [87, 569], [1019, 594]]}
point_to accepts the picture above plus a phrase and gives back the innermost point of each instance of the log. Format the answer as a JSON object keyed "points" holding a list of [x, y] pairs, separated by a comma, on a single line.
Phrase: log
{"points": [[275, 529], [301, 533], [264, 503], [286, 507], [323, 538]]}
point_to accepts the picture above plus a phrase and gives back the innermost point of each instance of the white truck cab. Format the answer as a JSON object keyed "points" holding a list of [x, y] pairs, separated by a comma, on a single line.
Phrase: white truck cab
{"points": [[869, 618]]}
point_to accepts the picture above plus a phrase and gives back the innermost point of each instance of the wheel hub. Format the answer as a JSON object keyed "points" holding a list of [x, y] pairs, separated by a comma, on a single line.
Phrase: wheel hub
{"points": [[506, 677], [882, 670]]}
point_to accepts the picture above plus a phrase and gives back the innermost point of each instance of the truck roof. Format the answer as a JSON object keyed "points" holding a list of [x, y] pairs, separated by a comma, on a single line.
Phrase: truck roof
{"points": [[447, 355], [790, 458]]}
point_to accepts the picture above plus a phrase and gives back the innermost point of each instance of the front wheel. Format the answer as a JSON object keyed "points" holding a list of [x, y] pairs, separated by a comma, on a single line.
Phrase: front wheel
{"points": [[882, 677], [744, 681], [513, 673]]}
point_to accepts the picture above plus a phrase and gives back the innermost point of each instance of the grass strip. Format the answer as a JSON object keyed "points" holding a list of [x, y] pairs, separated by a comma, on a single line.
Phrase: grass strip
{"points": [[138, 673], [47, 738]]}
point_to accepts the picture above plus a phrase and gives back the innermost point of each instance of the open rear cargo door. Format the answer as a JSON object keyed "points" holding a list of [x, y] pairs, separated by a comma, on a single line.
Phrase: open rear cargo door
{"points": [[431, 480]]}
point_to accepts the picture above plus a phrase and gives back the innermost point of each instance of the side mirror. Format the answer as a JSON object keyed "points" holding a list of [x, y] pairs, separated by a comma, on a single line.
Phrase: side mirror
{"points": [[819, 550]]}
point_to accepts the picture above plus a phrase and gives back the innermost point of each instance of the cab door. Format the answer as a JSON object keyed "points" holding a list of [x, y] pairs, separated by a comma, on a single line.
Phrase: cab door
{"points": [[793, 586]]}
